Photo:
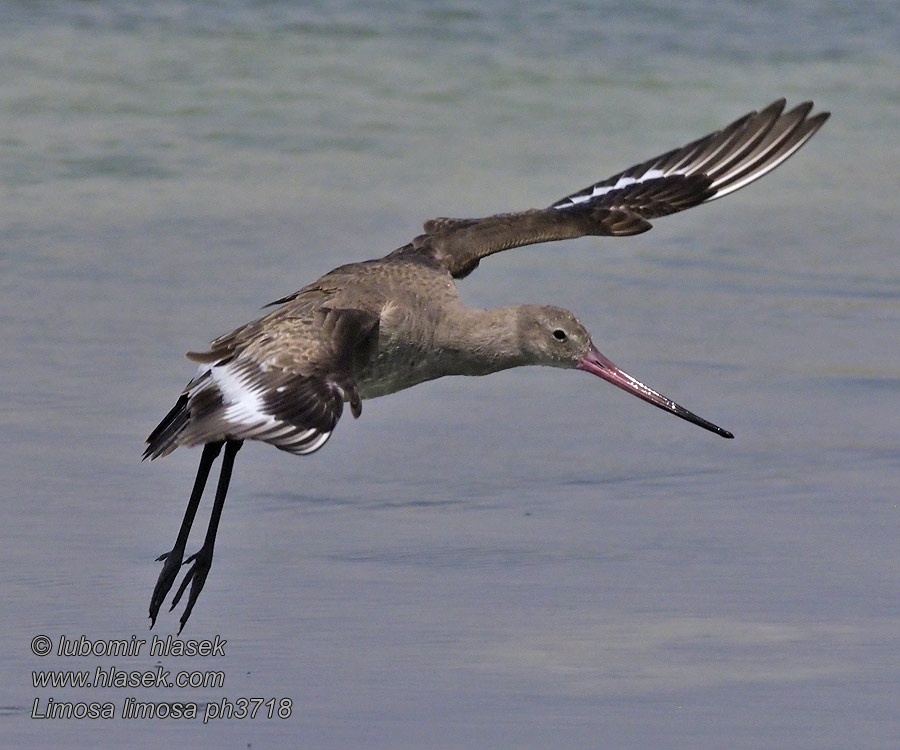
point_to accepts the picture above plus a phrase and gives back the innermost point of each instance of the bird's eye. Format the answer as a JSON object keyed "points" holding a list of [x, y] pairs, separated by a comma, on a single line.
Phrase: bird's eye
{"points": [[559, 334]]}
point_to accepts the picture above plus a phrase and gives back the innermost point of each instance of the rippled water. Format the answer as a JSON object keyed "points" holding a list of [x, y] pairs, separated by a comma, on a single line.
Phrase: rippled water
{"points": [[527, 560]]}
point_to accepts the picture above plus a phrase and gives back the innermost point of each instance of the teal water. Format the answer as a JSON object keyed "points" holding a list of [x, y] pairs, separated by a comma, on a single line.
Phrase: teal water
{"points": [[527, 560]]}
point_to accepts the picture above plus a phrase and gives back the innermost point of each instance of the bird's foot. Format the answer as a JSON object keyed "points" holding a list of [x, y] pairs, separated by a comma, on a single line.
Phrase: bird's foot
{"points": [[165, 581], [196, 576]]}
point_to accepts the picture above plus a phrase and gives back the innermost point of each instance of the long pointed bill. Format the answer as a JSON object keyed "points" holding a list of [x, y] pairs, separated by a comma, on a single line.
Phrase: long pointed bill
{"points": [[595, 363]]}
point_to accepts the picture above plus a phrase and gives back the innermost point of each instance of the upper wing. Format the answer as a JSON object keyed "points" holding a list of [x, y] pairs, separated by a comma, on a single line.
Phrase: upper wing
{"points": [[284, 383], [701, 171]]}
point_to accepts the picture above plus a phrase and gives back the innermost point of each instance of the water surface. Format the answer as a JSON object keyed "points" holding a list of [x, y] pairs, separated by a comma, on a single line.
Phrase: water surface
{"points": [[527, 560]]}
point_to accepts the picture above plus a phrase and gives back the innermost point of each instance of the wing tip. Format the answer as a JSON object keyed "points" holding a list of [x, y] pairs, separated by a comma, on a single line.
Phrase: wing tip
{"points": [[163, 440]]}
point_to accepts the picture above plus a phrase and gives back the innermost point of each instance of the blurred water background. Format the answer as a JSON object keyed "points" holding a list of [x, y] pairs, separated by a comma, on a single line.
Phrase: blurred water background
{"points": [[529, 560]]}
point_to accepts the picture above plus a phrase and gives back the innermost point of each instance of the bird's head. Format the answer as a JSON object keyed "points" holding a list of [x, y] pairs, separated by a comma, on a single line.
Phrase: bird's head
{"points": [[554, 337]]}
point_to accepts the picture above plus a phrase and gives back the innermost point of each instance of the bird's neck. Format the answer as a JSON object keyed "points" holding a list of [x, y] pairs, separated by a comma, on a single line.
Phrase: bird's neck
{"points": [[479, 342], [457, 341]]}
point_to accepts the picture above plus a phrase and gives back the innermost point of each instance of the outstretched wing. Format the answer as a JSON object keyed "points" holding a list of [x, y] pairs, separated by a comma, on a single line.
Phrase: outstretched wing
{"points": [[701, 171], [273, 387]]}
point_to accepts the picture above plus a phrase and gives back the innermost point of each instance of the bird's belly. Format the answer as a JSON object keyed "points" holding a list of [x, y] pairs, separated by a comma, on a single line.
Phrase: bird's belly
{"points": [[380, 379]]}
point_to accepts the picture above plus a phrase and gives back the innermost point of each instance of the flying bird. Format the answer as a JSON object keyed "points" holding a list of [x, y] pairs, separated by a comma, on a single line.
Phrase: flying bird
{"points": [[375, 327]]}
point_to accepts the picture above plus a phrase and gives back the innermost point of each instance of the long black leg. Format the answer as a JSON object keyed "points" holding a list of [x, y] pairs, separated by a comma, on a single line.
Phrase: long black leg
{"points": [[202, 558], [173, 558]]}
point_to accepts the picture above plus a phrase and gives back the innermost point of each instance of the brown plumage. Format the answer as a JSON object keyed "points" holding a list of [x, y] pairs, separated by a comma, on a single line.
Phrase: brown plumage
{"points": [[372, 328]]}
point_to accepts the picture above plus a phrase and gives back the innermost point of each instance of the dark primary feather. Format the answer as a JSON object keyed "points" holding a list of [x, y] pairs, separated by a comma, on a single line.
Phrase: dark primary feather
{"points": [[744, 151]]}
